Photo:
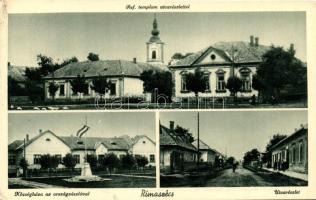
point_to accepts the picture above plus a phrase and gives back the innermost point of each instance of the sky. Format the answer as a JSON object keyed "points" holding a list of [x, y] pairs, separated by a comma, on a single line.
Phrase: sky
{"points": [[124, 35], [105, 124], [236, 132]]}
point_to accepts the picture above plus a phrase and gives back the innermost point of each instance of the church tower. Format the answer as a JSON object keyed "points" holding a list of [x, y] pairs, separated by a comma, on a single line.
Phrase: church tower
{"points": [[155, 46]]}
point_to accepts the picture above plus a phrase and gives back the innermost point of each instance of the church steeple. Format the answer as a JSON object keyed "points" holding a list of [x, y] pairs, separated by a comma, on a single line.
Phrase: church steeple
{"points": [[155, 45]]}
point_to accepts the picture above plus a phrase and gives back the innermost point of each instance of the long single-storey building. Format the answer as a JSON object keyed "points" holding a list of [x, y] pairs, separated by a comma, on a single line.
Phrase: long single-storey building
{"points": [[218, 62], [291, 153], [48, 142]]}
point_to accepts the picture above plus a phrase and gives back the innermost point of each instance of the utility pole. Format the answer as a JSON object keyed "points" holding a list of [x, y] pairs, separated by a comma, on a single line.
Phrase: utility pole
{"points": [[198, 140]]}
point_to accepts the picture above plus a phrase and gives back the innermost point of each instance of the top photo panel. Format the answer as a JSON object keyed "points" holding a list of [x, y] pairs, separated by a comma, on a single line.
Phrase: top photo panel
{"points": [[214, 60]]}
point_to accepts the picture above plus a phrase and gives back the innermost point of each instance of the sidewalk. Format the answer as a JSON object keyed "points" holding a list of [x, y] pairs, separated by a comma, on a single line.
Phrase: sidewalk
{"points": [[32, 184], [292, 174]]}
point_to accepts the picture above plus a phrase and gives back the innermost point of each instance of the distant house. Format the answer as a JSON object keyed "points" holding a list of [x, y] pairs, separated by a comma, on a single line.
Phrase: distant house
{"points": [[123, 75], [48, 142], [207, 154], [175, 152], [219, 62], [291, 153]]}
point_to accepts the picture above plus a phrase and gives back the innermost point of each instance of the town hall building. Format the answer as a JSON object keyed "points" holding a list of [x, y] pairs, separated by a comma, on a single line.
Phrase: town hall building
{"points": [[219, 62], [33, 148]]}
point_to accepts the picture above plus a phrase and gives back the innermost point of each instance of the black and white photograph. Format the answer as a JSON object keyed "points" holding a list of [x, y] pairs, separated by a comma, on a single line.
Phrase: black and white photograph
{"points": [[233, 149], [184, 60], [82, 150]]}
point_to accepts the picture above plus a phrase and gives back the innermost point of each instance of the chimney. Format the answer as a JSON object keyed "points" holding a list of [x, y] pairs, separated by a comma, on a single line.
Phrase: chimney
{"points": [[27, 137], [256, 41], [251, 41], [40, 131], [9, 64], [292, 46], [171, 125], [134, 60]]}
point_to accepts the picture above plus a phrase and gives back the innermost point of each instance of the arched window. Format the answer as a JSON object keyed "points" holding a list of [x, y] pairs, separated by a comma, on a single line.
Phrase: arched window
{"points": [[183, 81], [220, 85], [153, 55], [245, 78]]}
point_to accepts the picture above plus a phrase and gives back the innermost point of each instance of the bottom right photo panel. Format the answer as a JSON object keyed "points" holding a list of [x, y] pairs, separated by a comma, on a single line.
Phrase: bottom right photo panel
{"points": [[233, 149]]}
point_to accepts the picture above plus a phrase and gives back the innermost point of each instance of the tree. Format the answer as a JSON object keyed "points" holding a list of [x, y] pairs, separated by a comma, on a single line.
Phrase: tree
{"points": [[230, 160], [49, 162], [52, 89], [184, 133], [196, 82], [24, 164], [73, 59], [92, 160], [93, 57], [234, 85], [33, 74], [34, 90], [156, 79], [14, 89], [128, 161], [100, 84], [278, 69], [79, 85], [110, 161], [46, 64], [141, 161], [258, 84], [69, 161], [252, 155]]}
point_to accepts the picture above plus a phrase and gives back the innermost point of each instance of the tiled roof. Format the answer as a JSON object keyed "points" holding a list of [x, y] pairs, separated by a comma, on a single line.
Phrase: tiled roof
{"points": [[297, 133], [243, 53], [204, 146], [103, 68], [74, 143], [168, 138], [93, 142]]}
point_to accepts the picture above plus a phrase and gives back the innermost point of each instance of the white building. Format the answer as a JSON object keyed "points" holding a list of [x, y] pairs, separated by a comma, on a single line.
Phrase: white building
{"points": [[48, 142], [219, 62], [207, 154]]}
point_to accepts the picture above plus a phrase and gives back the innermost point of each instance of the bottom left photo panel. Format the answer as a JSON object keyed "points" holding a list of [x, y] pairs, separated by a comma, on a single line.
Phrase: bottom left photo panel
{"points": [[82, 150]]}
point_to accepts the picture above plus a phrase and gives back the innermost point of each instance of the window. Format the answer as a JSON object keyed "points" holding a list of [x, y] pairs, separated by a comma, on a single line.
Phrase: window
{"points": [[36, 159], [152, 158], [112, 89], [121, 156], [220, 81], [293, 153], [213, 56], [300, 151], [77, 158], [246, 84], [61, 90], [11, 160], [144, 142], [207, 81], [183, 81], [153, 55]]}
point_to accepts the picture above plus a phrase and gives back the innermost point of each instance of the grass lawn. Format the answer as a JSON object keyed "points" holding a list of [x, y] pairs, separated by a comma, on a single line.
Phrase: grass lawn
{"points": [[116, 182]]}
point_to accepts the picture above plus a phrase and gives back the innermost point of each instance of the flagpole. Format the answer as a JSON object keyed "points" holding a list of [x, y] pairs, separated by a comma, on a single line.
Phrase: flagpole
{"points": [[85, 144]]}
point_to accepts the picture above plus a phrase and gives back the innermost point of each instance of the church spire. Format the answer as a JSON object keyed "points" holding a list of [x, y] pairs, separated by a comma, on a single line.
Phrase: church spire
{"points": [[155, 31]]}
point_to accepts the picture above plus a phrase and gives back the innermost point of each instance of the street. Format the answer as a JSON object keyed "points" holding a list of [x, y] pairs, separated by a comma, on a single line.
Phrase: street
{"points": [[241, 177], [226, 178]]}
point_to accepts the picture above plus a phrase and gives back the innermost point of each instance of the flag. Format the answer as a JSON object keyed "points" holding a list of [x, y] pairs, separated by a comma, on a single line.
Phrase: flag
{"points": [[81, 131]]}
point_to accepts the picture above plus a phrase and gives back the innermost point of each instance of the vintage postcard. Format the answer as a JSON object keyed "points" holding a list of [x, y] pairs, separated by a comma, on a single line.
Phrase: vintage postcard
{"points": [[157, 99]]}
